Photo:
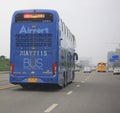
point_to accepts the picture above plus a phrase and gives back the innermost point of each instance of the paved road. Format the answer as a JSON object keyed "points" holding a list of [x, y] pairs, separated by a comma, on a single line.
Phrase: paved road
{"points": [[4, 78], [89, 93]]}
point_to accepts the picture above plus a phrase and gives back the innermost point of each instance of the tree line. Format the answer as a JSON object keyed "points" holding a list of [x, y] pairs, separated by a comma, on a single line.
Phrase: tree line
{"points": [[4, 63]]}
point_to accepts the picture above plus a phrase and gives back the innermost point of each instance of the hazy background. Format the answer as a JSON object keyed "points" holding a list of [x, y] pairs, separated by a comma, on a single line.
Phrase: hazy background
{"points": [[95, 23]]}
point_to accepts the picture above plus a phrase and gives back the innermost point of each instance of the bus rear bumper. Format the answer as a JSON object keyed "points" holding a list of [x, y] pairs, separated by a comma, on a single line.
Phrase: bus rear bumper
{"points": [[38, 80]]}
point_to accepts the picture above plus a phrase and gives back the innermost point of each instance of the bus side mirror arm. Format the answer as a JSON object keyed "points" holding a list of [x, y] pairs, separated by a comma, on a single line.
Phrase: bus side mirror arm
{"points": [[75, 56]]}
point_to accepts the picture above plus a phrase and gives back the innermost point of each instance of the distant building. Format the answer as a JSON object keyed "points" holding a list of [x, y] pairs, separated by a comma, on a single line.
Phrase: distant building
{"points": [[118, 51]]}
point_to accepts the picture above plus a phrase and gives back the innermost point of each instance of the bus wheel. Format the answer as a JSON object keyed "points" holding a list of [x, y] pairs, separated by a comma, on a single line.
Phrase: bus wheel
{"points": [[73, 75], [65, 81]]}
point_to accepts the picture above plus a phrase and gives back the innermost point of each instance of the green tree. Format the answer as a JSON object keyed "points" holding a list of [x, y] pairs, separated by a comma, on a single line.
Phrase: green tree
{"points": [[4, 63]]}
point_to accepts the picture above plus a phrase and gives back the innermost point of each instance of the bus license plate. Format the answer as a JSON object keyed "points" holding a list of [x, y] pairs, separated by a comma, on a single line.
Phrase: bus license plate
{"points": [[33, 80]]}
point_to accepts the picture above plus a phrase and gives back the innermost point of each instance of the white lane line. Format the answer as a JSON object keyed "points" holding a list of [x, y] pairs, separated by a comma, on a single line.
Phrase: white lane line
{"points": [[82, 81], [86, 79], [77, 85], [69, 92], [53, 106]]}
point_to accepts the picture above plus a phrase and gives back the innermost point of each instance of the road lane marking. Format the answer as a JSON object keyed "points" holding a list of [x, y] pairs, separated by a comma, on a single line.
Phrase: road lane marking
{"points": [[53, 106], [78, 85], [82, 81], [7, 86], [86, 79], [69, 92]]}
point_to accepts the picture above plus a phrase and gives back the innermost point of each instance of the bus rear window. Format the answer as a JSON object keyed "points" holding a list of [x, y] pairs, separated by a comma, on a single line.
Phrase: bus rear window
{"points": [[34, 17]]}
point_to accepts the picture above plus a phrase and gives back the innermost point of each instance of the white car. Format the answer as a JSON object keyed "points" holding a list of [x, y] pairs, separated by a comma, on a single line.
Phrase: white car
{"points": [[87, 70], [116, 70]]}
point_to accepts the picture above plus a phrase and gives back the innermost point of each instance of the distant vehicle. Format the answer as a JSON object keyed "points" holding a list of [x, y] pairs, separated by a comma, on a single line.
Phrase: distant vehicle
{"points": [[87, 70], [116, 70], [110, 69], [101, 67], [42, 49], [93, 68]]}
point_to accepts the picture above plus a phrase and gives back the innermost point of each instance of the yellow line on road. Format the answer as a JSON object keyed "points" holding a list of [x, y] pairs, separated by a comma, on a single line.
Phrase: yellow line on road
{"points": [[7, 86]]}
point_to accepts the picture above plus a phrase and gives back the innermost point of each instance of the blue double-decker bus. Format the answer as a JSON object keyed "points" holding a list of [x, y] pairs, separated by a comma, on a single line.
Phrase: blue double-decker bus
{"points": [[42, 49]]}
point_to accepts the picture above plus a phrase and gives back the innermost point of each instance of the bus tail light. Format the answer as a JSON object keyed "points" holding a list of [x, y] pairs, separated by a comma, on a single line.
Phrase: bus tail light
{"points": [[54, 68], [11, 68]]}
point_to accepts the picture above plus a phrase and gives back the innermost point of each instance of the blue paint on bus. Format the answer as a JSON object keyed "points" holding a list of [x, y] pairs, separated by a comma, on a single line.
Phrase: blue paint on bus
{"points": [[42, 49]]}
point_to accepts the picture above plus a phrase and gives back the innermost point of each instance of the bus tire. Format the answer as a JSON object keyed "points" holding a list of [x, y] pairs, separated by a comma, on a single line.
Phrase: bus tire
{"points": [[65, 81]]}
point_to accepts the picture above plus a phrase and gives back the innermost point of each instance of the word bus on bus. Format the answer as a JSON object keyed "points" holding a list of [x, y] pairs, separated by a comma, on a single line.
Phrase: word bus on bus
{"points": [[101, 67], [42, 49]]}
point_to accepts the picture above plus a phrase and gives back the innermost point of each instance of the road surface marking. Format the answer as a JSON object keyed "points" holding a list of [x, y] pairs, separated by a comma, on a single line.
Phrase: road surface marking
{"points": [[77, 85], [53, 106], [82, 81], [7, 86], [69, 92], [87, 78]]}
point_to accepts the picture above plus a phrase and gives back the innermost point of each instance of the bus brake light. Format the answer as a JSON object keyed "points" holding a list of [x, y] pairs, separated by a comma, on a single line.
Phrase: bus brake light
{"points": [[34, 16], [11, 68], [54, 68]]}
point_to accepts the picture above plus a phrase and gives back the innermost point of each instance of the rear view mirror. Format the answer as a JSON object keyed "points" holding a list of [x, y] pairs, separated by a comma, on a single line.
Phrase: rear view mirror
{"points": [[75, 56]]}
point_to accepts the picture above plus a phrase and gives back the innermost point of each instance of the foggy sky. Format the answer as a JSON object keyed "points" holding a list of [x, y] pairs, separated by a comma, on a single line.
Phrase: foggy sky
{"points": [[95, 23]]}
